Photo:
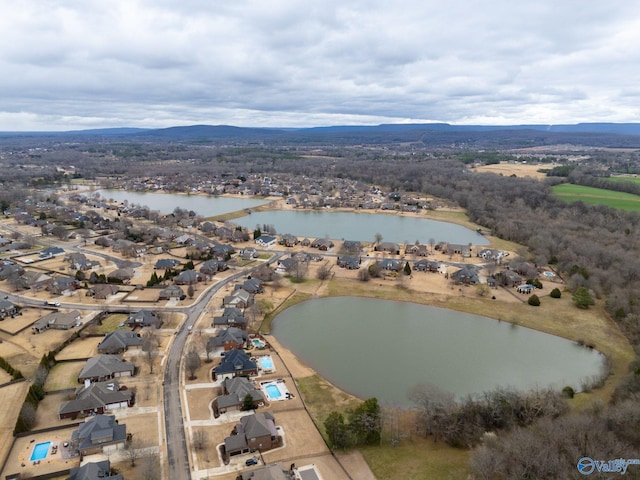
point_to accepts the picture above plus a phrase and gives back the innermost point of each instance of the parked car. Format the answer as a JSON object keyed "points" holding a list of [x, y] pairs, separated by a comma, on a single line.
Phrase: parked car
{"points": [[251, 461]]}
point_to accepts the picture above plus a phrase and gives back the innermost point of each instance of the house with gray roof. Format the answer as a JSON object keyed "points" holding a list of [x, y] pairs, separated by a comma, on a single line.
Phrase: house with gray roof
{"points": [[235, 363], [235, 390], [105, 367], [102, 291], [94, 471], [426, 266], [465, 276], [96, 398], [97, 434], [275, 471], [122, 274], [349, 262], [56, 321], [171, 291], [389, 247], [228, 339], [254, 432], [239, 298], [166, 263], [252, 285], [231, 317], [51, 252], [7, 309], [119, 341], [266, 241], [188, 277], [143, 318], [390, 264], [213, 266]]}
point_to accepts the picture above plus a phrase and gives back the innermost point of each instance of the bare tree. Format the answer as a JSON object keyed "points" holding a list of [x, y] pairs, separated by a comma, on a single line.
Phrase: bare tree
{"points": [[200, 440], [323, 272], [133, 450], [150, 346], [434, 405], [149, 468], [192, 363]]}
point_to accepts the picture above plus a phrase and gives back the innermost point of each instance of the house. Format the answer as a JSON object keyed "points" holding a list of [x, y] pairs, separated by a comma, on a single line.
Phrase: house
{"points": [[252, 285], [59, 285], [207, 227], [239, 298], [102, 291], [491, 254], [96, 398], [322, 244], [349, 262], [231, 317], [254, 432], [417, 249], [105, 367], [7, 309], [235, 363], [188, 277], [166, 263], [454, 248], [266, 241], [510, 278], [289, 240], [171, 291], [119, 341], [98, 433], [122, 274], [248, 253], [235, 390], [391, 264], [275, 471], [56, 321], [78, 261], [351, 246], [143, 318], [285, 265], [50, 253], [465, 276], [426, 266], [228, 338], [8, 270], [94, 471], [222, 251], [34, 280], [213, 266], [388, 247]]}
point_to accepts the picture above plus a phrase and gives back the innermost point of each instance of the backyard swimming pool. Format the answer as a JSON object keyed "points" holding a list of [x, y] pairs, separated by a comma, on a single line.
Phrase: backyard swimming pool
{"points": [[40, 451], [275, 390], [266, 364], [258, 343]]}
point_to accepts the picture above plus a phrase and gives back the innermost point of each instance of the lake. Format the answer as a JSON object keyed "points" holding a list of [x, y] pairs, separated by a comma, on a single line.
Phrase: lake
{"points": [[204, 205], [362, 226], [381, 348]]}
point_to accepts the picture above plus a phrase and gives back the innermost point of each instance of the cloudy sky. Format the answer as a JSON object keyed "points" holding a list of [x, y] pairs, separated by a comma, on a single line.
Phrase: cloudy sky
{"points": [[68, 64]]}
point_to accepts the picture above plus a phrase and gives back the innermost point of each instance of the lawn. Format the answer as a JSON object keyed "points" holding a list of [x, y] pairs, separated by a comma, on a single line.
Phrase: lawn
{"points": [[597, 196], [624, 178]]}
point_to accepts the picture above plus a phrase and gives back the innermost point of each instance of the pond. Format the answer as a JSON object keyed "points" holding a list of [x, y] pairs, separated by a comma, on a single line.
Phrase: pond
{"points": [[381, 348], [205, 205], [362, 226]]}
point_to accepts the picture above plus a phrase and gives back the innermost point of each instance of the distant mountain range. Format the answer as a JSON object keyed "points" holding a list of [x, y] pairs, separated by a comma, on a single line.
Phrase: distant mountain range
{"points": [[488, 136]]}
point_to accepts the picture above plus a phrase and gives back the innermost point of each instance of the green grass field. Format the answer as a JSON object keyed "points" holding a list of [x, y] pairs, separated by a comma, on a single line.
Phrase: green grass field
{"points": [[598, 196], [624, 178]]}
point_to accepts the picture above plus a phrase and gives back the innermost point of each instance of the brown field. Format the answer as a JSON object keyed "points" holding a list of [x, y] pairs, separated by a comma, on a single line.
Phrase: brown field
{"points": [[199, 402], [517, 169], [12, 398], [63, 375], [80, 348]]}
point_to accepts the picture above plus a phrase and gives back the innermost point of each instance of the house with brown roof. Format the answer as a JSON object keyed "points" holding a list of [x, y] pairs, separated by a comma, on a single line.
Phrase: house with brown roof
{"points": [[254, 432]]}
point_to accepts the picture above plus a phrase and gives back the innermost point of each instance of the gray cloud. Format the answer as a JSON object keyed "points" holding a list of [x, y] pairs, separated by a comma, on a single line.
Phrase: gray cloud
{"points": [[70, 64]]}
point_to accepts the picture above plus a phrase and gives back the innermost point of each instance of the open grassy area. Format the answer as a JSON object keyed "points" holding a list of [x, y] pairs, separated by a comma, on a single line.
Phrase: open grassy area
{"points": [[597, 196], [111, 322], [297, 297], [417, 459], [625, 178]]}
